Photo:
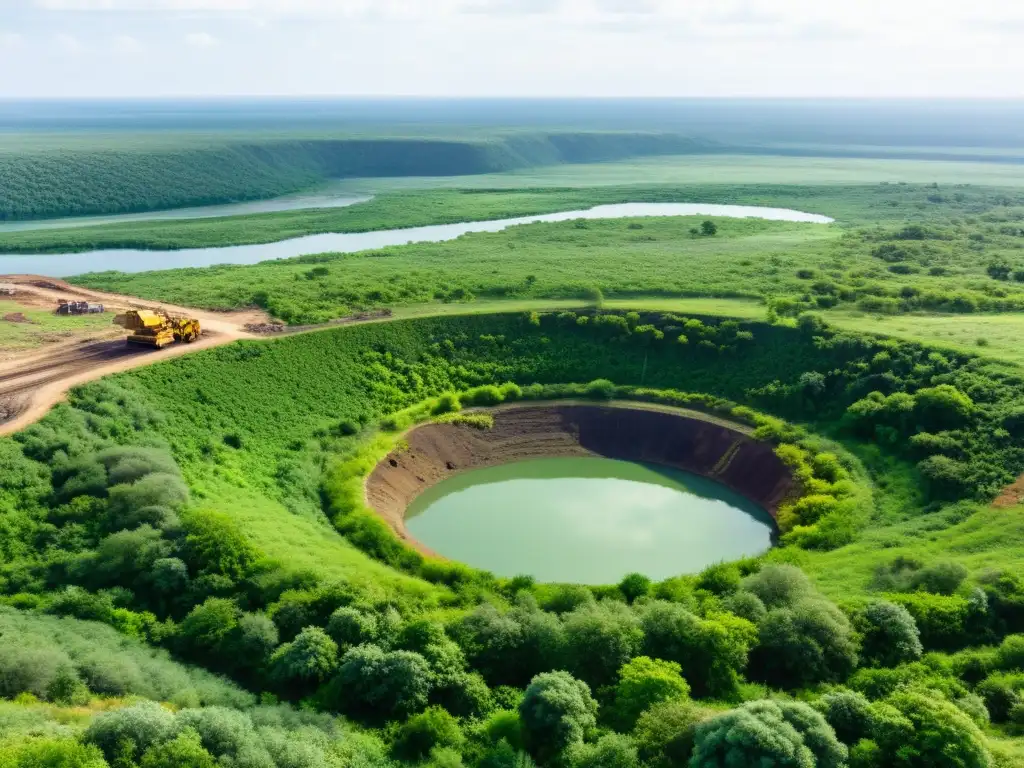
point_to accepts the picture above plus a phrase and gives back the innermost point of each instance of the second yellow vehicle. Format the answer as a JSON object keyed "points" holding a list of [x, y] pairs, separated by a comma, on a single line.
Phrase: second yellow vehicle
{"points": [[158, 329]]}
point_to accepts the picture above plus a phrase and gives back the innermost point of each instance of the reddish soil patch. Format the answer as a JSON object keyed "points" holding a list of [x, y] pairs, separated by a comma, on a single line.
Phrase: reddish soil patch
{"points": [[1011, 495], [16, 317], [709, 448]]}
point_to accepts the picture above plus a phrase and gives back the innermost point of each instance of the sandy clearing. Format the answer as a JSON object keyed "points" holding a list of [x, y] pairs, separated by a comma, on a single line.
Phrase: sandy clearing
{"points": [[31, 383]]}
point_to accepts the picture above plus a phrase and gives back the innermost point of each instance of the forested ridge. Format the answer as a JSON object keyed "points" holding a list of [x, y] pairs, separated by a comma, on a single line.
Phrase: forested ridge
{"points": [[82, 181]]}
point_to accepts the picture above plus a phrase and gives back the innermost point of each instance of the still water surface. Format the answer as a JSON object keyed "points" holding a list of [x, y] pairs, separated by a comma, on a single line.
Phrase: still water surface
{"points": [[587, 520], [134, 260]]}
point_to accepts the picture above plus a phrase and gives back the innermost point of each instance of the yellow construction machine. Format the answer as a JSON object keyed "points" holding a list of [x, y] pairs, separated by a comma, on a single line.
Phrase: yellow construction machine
{"points": [[158, 329]]}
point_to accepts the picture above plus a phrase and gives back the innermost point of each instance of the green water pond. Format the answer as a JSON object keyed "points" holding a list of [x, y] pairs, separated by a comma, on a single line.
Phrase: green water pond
{"points": [[587, 520]]}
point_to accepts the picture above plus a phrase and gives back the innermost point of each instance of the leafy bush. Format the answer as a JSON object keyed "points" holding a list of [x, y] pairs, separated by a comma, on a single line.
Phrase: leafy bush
{"points": [[810, 642], [889, 635], [130, 731], [557, 712], [768, 732], [644, 682], [421, 733]]}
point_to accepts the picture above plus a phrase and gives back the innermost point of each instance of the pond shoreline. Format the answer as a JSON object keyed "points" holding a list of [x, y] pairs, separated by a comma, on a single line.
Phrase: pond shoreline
{"points": [[709, 447]]}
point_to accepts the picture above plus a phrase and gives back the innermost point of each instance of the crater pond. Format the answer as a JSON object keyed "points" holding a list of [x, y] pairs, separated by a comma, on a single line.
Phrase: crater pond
{"points": [[588, 520], [135, 260]]}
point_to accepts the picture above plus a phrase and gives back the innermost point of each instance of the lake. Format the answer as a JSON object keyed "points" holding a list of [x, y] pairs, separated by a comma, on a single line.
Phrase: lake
{"points": [[136, 260], [587, 520]]}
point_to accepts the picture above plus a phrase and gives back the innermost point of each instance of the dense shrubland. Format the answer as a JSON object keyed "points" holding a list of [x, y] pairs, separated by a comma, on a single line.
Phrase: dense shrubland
{"points": [[116, 509]]}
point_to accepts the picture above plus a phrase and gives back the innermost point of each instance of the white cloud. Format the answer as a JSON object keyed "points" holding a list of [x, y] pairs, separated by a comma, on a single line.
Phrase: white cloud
{"points": [[10, 40], [127, 44], [69, 43], [532, 47], [201, 40]]}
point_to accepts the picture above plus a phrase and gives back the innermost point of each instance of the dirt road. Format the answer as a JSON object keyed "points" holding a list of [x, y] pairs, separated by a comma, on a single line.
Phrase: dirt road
{"points": [[31, 383]]}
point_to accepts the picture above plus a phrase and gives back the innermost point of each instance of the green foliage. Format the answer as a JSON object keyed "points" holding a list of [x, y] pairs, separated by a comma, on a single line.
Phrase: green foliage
{"points": [[634, 586], [849, 714], [810, 642], [557, 712], [183, 751], [600, 639], [768, 733], [375, 683], [64, 753], [511, 648], [643, 683], [779, 586], [215, 545], [889, 635], [53, 657], [305, 662], [187, 171], [610, 751], [130, 731], [422, 733], [712, 652], [942, 736], [665, 733]]}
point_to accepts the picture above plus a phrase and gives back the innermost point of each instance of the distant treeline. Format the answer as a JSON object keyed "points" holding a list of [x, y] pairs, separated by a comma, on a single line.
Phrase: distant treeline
{"points": [[45, 184]]}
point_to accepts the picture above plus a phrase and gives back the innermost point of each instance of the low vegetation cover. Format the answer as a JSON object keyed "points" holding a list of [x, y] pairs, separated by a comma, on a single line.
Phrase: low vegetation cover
{"points": [[895, 249], [96, 178], [169, 504]]}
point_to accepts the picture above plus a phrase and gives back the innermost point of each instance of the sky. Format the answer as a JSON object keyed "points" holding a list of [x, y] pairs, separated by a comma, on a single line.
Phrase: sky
{"points": [[763, 48]]}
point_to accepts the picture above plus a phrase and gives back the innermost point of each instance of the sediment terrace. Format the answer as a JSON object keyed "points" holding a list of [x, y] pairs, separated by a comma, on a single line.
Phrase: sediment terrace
{"points": [[705, 446]]}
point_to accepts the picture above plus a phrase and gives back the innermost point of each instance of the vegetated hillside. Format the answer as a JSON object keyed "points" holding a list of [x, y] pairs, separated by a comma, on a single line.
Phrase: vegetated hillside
{"points": [[959, 252], [80, 181], [474, 670]]}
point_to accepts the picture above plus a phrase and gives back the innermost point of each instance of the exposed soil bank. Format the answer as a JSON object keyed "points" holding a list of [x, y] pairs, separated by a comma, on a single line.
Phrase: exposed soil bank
{"points": [[708, 448]]}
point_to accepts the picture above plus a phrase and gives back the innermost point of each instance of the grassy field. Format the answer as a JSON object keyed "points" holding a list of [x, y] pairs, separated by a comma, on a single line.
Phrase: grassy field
{"points": [[850, 205], [938, 256], [566, 260], [42, 326], [720, 169]]}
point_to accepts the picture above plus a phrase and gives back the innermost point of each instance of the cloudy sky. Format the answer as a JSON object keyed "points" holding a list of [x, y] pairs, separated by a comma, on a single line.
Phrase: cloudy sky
{"points": [[512, 47]]}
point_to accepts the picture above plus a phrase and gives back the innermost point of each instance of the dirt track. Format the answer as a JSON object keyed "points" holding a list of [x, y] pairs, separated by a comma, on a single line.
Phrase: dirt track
{"points": [[31, 383]]}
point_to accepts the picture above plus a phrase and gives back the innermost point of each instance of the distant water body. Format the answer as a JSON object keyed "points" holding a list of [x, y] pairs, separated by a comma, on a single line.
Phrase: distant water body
{"points": [[137, 260], [297, 202]]}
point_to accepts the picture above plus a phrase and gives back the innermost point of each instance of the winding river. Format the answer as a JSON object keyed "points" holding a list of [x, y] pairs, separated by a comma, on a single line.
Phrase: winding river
{"points": [[136, 260]]}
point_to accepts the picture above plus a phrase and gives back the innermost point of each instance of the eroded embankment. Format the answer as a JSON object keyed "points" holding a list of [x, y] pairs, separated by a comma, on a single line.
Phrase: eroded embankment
{"points": [[435, 452]]}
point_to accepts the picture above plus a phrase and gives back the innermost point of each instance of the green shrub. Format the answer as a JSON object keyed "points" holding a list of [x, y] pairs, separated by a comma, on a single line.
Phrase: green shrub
{"points": [[557, 712], [889, 635], [810, 642], [768, 733], [644, 682], [665, 733], [600, 389], [942, 735], [779, 585], [421, 733], [634, 586], [130, 731]]}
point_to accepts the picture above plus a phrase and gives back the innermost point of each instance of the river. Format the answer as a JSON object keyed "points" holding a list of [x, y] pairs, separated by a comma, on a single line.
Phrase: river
{"points": [[136, 260]]}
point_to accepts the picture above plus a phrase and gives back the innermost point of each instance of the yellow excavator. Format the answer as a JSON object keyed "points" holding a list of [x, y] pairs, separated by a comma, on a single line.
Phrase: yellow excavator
{"points": [[158, 329]]}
